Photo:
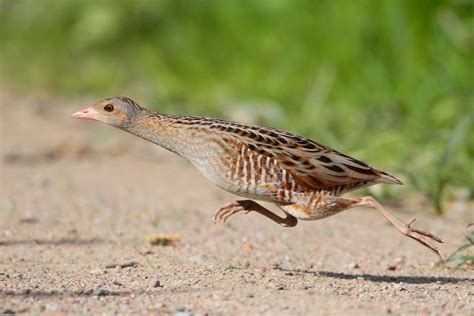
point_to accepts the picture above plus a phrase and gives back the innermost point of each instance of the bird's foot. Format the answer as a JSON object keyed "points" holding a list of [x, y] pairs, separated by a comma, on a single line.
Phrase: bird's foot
{"points": [[417, 235], [230, 209]]}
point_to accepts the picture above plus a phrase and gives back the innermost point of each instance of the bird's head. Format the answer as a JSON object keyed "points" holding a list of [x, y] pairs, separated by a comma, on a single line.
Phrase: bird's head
{"points": [[118, 112]]}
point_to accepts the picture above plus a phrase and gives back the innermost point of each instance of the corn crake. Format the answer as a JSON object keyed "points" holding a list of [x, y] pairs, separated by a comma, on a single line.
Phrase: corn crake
{"points": [[302, 177]]}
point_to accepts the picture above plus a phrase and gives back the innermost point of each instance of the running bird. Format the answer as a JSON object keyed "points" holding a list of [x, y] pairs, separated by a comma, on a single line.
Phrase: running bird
{"points": [[302, 177]]}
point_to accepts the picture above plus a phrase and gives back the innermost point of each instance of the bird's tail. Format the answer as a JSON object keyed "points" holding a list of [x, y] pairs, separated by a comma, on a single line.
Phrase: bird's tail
{"points": [[387, 178]]}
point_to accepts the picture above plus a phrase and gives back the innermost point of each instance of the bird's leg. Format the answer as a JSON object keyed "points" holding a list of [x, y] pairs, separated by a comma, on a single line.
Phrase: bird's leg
{"points": [[403, 228], [329, 205], [247, 206]]}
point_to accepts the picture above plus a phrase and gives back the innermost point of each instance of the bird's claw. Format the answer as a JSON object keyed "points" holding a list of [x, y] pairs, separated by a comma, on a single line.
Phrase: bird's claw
{"points": [[227, 211], [410, 230], [414, 230]]}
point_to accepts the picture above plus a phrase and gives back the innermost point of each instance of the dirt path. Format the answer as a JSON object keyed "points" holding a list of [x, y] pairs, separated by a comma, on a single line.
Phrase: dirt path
{"points": [[79, 200]]}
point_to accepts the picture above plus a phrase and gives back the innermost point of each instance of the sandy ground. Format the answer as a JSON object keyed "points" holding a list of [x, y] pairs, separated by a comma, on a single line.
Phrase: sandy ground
{"points": [[79, 201]]}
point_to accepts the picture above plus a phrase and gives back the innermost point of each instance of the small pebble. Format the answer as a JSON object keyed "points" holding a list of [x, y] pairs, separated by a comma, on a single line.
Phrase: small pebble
{"points": [[97, 271], [181, 311], [117, 282], [392, 267], [353, 265], [157, 283], [399, 287], [52, 307]]}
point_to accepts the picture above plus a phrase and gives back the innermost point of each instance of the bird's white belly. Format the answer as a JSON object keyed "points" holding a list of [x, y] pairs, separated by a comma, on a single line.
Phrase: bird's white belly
{"points": [[204, 159], [207, 158]]}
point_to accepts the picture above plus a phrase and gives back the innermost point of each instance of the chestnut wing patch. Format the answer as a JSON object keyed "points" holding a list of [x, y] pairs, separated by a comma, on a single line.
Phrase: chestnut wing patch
{"points": [[314, 166]]}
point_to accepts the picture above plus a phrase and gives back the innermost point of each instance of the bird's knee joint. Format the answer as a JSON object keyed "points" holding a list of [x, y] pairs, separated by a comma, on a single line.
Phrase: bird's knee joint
{"points": [[368, 201], [290, 222]]}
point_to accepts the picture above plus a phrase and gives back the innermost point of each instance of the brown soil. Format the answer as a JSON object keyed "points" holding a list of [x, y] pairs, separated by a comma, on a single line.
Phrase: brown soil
{"points": [[79, 202]]}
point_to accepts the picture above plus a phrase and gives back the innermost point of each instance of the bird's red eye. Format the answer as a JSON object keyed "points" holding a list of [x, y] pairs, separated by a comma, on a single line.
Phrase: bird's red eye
{"points": [[109, 108]]}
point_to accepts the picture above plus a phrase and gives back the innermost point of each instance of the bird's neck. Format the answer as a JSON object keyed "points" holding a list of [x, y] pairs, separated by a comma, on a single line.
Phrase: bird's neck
{"points": [[162, 130]]}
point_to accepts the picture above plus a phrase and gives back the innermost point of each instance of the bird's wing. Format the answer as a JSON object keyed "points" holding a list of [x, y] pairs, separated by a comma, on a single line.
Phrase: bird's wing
{"points": [[313, 165]]}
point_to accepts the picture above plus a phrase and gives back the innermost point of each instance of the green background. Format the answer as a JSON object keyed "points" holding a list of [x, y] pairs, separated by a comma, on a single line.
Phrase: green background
{"points": [[390, 82]]}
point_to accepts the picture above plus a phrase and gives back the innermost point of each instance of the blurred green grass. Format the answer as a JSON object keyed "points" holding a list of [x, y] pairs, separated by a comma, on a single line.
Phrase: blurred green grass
{"points": [[390, 82]]}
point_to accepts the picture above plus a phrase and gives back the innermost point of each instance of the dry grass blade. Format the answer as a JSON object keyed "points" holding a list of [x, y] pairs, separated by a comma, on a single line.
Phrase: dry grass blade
{"points": [[164, 239]]}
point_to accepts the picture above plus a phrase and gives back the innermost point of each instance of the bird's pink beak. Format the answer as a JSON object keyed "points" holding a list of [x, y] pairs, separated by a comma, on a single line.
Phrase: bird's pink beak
{"points": [[86, 114]]}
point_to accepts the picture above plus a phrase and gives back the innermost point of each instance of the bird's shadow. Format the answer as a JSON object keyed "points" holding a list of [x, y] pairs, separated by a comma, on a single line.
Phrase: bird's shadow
{"points": [[53, 242], [380, 278]]}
